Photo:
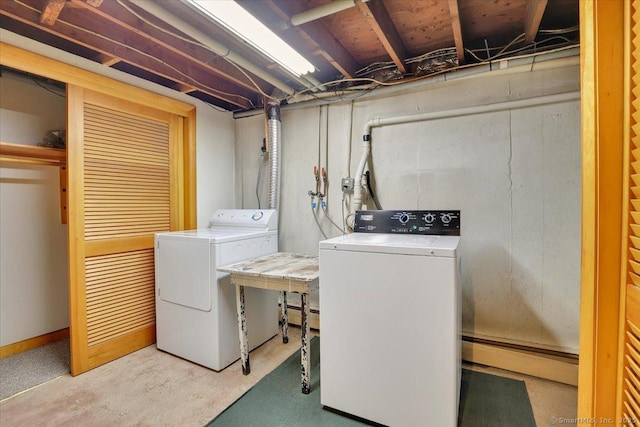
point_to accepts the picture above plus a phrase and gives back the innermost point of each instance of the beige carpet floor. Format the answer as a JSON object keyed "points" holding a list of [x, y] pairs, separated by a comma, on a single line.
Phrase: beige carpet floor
{"points": [[31, 368], [153, 388]]}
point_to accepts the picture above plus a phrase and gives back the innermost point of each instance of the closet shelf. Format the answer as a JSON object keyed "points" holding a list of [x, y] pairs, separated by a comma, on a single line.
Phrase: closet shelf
{"points": [[36, 155], [32, 154]]}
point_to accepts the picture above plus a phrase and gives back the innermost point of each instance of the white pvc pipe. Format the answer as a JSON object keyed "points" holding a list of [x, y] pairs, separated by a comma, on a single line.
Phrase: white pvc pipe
{"points": [[153, 8], [465, 111], [321, 11]]}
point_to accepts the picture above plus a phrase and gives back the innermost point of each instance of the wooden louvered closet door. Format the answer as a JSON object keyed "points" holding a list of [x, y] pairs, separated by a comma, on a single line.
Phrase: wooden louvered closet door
{"points": [[629, 380], [121, 193]]}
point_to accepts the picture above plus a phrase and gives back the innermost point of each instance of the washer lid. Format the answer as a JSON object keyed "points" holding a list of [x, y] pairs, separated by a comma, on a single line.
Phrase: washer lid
{"points": [[217, 235], [442, 246]]}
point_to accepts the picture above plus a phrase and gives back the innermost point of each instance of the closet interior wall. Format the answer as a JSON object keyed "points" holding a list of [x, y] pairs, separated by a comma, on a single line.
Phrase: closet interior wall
{"points": [[34, 295]]}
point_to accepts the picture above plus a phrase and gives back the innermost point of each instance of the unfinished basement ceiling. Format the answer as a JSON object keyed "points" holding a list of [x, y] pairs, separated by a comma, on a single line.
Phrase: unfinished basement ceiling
{"points": [[366, 45]]}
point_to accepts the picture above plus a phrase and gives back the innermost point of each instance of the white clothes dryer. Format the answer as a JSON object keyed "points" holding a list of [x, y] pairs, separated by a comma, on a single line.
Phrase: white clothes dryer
{"points": [[196, 316]]}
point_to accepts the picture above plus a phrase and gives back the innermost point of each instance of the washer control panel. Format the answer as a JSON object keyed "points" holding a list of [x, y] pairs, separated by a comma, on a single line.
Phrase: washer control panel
{"points": [[444, 223]]}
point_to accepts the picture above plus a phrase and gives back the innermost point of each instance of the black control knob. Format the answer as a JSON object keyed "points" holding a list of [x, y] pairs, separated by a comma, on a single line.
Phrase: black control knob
{"points": [[445, 218], [403, 218], [429, 218]]}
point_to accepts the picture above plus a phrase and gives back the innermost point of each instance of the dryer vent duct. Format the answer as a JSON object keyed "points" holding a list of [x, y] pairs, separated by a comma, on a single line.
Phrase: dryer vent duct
{"points": [[273, 137]]}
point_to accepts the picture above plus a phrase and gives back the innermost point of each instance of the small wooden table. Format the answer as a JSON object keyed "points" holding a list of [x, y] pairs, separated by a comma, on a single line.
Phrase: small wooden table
{"points": [[283, 272]]}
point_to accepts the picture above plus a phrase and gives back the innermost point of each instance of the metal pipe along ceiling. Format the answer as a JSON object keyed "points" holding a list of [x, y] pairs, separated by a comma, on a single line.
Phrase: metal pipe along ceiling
{"points": [[321, 11]]}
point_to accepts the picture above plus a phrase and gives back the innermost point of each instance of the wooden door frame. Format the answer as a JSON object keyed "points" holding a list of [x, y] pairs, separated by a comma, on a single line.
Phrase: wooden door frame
{"points": [[24, 60], [602, 45], [185, 159]]}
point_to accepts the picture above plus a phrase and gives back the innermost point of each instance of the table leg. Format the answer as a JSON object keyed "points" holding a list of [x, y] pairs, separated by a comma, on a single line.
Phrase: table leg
{"points": [[284, 319], [242, 330], [305, 354]]}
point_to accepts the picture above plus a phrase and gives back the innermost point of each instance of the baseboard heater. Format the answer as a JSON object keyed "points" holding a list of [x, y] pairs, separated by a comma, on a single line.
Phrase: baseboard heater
{"points": [[295, 316], [542, 363]]}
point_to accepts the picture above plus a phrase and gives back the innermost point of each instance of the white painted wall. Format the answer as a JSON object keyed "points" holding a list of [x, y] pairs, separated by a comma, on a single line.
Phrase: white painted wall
{"points": [[214, 162], [33, 243], [515, 175], [215, 189]]}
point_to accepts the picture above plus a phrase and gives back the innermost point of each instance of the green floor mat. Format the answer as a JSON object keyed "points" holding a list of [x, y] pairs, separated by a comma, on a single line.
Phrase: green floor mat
{"points": [[276, 401]]}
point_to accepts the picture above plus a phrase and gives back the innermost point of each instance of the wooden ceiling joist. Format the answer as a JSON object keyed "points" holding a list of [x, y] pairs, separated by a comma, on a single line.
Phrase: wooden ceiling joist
{"points": [[184, 88], [191, 52], [51, 11], [457, 30], [145, 57], [318, 35], [379, 19], [107, 60], [172, 44], [535, 10]]}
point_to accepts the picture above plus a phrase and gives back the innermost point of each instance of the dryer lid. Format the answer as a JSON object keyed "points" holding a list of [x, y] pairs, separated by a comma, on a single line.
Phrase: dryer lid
{"points": [[217, 235]]}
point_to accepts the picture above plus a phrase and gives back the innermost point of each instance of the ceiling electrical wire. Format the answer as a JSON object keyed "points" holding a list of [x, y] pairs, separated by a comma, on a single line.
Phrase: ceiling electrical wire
{"points": [[358, 84], [157, 27], [370, 68], [273, 98], [220, 109], [560, 30], [501, 55], [47, 89], [432, 54], [38, 81], [144, 54], [202, 45], [503, 51]]}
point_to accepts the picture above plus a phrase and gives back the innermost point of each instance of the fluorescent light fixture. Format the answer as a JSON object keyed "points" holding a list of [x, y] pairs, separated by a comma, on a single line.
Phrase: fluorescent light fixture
{"points": [[241, 23]]}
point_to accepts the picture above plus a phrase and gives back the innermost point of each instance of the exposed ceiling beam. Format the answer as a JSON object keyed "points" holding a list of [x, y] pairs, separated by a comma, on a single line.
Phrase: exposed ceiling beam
{"points": [[107, 60], [378, 17], [184, 88], [211, 43], [535, 10], [317, 35], [457, 29], [121, 17], [143, 57], [51, 11]]}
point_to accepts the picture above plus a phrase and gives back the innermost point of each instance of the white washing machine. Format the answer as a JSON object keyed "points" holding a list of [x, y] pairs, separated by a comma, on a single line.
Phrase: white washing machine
{"points": [[390, 319], [196, 316]]}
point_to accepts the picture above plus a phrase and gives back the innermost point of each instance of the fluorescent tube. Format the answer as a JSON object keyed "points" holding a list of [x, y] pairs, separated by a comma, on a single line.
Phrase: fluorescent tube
{"points": [[241, 23]]}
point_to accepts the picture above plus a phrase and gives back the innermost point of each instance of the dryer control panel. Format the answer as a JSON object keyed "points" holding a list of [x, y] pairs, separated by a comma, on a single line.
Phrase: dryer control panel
{"points": [[261, 219], [443, 223]]}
